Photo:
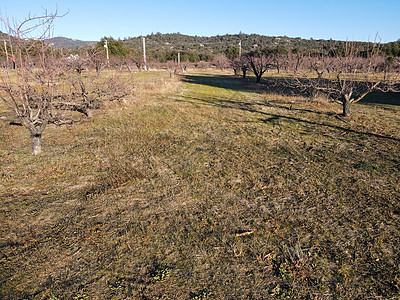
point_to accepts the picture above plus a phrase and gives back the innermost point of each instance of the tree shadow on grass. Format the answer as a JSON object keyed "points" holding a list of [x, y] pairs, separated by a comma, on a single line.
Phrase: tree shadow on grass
{"points": [[226, 82], [248, 85], [277, 85], [251, 107], [268, 84], [378, 97]]}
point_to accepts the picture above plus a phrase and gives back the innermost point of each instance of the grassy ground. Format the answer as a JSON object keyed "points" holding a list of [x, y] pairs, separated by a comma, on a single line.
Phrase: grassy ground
{"points": [[205, 188]]}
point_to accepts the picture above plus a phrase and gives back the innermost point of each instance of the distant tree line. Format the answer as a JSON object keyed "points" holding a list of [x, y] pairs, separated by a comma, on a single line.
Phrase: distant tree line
{"points": [[165, 47], [392, 49], [184, 56], [119, 48]]}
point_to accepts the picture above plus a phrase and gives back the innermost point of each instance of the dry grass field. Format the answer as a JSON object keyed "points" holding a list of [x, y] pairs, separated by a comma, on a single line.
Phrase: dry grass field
{"points": [[205, 186]]}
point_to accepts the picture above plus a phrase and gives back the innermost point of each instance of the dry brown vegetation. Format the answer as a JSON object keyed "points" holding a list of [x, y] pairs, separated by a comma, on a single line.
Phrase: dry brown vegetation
{"points": [[204, 187]]}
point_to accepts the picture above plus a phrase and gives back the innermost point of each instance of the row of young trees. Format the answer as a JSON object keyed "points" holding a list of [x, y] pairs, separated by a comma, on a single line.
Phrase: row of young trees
{"points": [[43, 85], [345, 76]]}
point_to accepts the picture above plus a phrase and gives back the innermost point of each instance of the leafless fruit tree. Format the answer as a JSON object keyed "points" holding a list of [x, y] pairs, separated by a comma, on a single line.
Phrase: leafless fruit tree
{"points": [[235, 65], [259, 62], [44, 87], [221, 62], [31, 87], [87, 90], [295, 60], [280, 58], [240, 66], [349, 76], [171, 67]]}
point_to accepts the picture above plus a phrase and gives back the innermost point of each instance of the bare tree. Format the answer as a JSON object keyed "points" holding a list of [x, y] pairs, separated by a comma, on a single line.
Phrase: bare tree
{"points": [[184, 66], [31, 87], [314, 67], [221, 62], [296, 58], [259, 62], [280, 57], [94, 59], [350, 76], [44, 87], [171, 68], [240, 66], [235, 65], [244, 66], [355, 76], [88, 91]]}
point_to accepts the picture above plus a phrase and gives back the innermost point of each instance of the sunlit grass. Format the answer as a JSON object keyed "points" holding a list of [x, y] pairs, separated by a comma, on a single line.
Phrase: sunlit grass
{"points": [[210, 187]]}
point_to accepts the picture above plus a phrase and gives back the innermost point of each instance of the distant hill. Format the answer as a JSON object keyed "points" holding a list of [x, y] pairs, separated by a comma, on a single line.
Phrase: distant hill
{"points": [[62, 42], [218, 44], [59, 42], [3, 36], [162, 45]]}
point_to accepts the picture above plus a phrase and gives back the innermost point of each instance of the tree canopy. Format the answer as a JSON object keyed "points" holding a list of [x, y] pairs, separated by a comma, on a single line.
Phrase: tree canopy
{"points": [[115, 47], [232, 52]]}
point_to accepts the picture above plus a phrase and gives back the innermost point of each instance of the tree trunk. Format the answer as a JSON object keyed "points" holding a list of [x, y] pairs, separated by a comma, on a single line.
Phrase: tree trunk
{"points": [[346, 107], [89, 113], [36, 131], [36, 139], [314, 94], [296, 68], [244, 73], [258, 78]]}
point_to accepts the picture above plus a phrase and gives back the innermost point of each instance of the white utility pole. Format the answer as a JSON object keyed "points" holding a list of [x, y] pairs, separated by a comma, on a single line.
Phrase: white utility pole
{"points": [[179, 58], [240, 49], [144, 54], [5, 47], [106, 46]]}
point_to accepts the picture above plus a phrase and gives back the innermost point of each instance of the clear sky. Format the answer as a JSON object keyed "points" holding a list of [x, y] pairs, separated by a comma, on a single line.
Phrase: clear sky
{"points": [[90, 20]]}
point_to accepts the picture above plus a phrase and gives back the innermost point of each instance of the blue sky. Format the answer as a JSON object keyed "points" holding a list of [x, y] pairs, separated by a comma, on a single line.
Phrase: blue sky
{"points": [[319, 19]]}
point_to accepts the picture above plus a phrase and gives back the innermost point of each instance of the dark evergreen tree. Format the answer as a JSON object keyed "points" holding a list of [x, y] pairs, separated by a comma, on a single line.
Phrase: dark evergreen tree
{"points": [[232, 52], [115, 47]]}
